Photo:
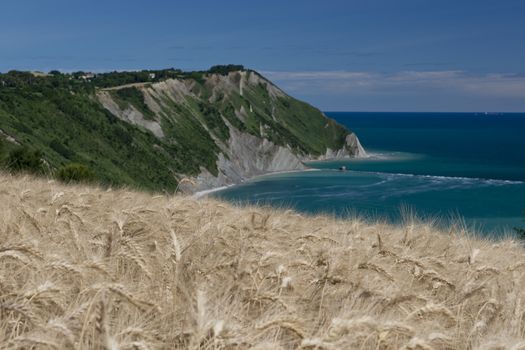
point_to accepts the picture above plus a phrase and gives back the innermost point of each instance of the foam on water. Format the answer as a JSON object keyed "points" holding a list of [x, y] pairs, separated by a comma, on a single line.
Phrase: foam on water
{"points": [[441, 179], [436, 165]]}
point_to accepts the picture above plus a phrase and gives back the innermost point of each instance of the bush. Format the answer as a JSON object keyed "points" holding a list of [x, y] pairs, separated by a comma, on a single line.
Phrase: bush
{"points": [[225, 69], [58, 147], [75, 172], [25, 159], [135, 97]]}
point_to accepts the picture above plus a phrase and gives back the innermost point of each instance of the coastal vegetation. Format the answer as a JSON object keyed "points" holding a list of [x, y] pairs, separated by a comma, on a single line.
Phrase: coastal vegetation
{"points": [[147, 135], [24, 159], [88, 268], [134, 97], [74, 172]]}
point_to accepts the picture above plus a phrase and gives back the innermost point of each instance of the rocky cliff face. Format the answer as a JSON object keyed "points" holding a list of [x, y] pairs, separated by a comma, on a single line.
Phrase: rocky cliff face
{"points": [[251, 125], [249, 156]]}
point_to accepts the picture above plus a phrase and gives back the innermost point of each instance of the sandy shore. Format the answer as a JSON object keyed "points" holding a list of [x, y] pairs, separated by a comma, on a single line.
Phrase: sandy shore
{"points": [[204, 193]]}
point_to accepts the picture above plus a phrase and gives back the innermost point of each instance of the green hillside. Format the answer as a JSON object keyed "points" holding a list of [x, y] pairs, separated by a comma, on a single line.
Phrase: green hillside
{"points": [[61, 115]]}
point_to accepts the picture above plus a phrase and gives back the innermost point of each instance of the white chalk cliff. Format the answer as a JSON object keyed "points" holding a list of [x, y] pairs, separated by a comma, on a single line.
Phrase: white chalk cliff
{"points": [[263, 129]]}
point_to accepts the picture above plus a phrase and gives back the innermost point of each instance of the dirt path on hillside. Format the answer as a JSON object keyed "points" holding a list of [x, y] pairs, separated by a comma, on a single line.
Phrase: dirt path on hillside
{"points": [[124, 86]]}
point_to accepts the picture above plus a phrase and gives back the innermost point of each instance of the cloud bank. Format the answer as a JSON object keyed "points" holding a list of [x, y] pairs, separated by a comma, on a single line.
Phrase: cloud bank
{"points": [[446, 90]]}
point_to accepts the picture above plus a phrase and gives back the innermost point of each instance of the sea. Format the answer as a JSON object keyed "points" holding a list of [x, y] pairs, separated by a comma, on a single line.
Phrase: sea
{"points": [[464, 169]]}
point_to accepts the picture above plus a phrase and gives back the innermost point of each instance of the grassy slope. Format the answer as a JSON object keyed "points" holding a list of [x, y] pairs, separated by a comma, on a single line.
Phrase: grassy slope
{"points": [[296, 123], [62, 118], [85, 268], [133, 96], [118, 152]]}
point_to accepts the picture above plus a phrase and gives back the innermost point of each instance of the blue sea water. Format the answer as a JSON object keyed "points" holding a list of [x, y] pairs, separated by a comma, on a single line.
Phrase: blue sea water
{"points": [[450, 166]]}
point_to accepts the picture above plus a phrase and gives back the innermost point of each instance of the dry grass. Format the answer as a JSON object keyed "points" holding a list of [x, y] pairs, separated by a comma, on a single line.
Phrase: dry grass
{"points": [[83, 268]]}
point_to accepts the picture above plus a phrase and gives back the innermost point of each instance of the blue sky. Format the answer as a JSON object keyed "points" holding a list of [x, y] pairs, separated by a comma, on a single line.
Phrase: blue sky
{"points": [[374, 55]]}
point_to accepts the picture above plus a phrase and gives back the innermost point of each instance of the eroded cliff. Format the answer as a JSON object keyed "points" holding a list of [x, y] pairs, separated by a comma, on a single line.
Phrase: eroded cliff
{"points": [[255, 128], [151, 129]]}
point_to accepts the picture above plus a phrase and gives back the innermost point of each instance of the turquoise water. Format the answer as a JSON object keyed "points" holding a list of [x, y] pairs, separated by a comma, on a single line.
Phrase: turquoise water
{"points": [[447, 166]]}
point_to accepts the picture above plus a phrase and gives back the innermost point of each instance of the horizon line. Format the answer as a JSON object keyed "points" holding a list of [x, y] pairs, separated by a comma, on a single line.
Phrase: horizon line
{"points": [[437, 112]]}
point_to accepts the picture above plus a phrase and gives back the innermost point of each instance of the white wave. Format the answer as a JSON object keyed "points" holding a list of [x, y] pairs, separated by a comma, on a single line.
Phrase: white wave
{"points": [[379, 155], [205, 193], [446, 178]]}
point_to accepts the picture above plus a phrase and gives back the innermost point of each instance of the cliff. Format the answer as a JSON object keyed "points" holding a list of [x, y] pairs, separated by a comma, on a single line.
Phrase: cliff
{"points": [[215, 128], [254, 125]]}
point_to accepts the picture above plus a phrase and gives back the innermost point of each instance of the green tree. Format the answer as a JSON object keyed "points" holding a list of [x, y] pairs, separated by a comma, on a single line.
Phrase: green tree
{"points": [[25, 159], [75, 172], [225, 69]]}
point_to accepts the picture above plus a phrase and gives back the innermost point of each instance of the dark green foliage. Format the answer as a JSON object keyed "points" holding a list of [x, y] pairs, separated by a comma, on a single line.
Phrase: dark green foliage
{"points": [[2, 150], [225, 69], [213, 120], [25, 159], [75, 172], [135, 97], [229, 113], [85, 81], [116, 151], [122, 78], [59, 147], [60, 116], [190, 144], [197, 76], [291, 122], [31, 86]]}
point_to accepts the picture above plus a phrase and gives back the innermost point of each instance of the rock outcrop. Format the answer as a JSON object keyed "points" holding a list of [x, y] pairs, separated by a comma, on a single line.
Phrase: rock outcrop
{"points": [[152, 129], [250, 156], [254, 126]]}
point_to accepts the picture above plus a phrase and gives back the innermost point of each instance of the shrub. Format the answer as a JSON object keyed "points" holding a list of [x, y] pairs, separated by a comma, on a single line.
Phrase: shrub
{"points": [[75, 172], [135, 97], [58, 147], [25, 159], [225, 69]]}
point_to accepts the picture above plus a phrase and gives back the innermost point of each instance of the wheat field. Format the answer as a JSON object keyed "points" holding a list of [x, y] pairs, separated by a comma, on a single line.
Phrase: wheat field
{"points": [[88, 268]]}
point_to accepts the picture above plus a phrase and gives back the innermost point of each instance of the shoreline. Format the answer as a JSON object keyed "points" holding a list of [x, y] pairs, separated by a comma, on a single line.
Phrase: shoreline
{"points": [[204, 193]]}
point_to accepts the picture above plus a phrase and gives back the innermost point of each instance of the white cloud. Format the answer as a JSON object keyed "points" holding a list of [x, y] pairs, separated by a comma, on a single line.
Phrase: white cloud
{"points": [[403, 82], [308, 75]]}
